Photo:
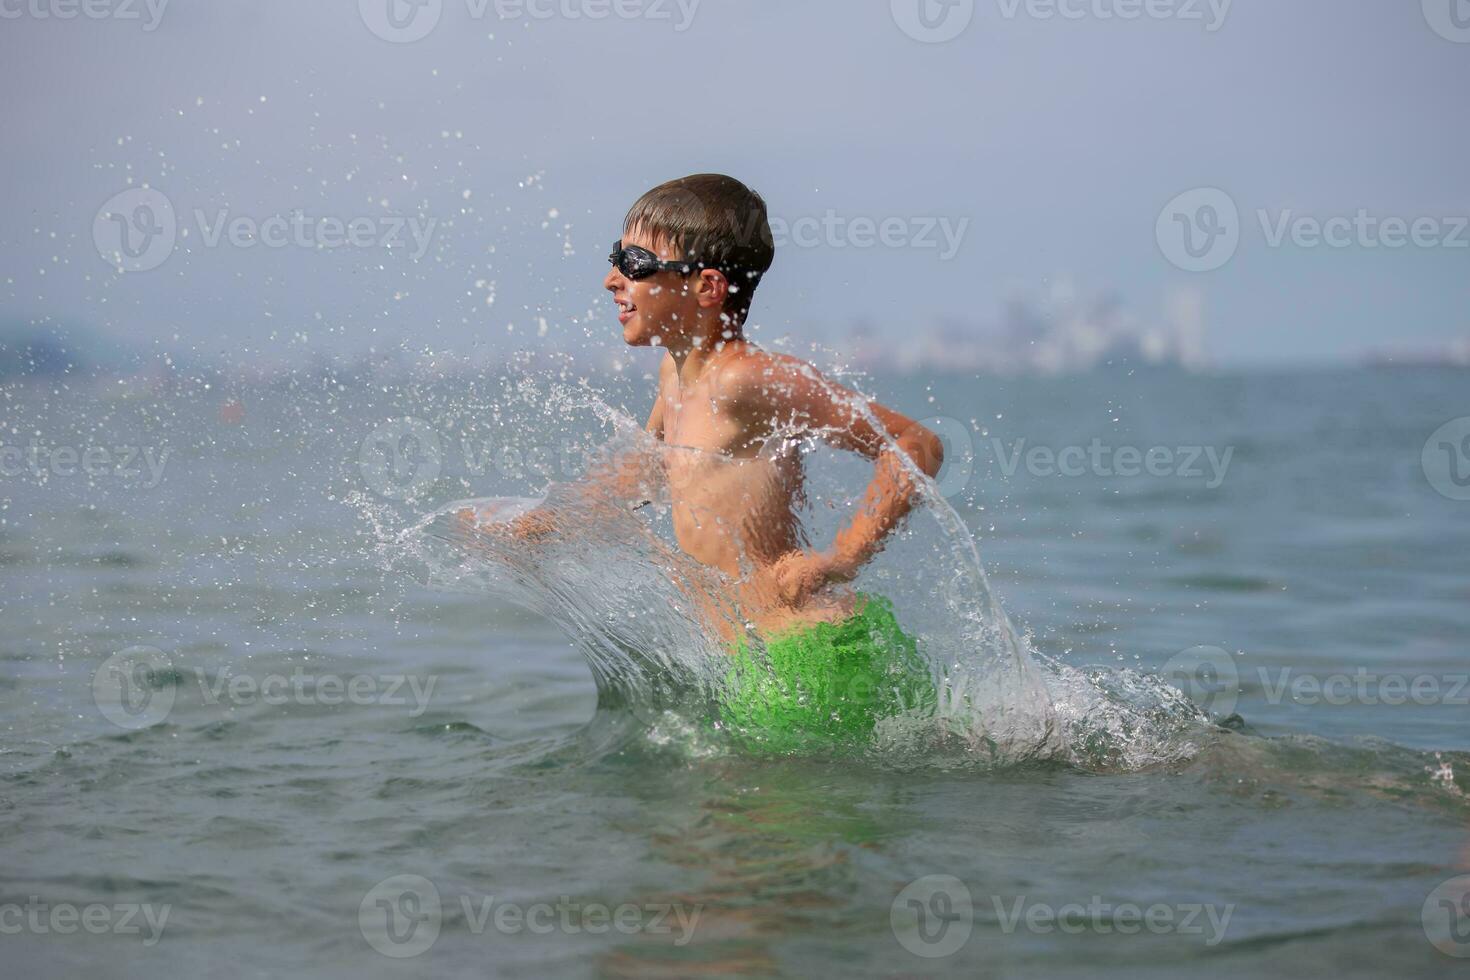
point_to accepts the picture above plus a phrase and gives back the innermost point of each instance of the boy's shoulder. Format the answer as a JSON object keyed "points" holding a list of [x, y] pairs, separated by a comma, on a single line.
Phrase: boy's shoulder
{"points": [[751, 378], [759, 382], [747, 365], [758, 367]]}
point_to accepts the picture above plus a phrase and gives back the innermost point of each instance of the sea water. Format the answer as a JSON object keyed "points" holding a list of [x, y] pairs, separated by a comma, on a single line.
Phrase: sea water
{"points": [[341, 699]]}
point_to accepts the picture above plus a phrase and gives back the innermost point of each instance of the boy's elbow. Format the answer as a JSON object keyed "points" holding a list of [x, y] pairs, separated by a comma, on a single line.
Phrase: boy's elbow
{"points": [[926, 449], [933, 453]]}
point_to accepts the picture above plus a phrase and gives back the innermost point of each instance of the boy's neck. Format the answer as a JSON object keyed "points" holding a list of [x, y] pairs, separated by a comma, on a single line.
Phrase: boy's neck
{"points": [[693, 353]]}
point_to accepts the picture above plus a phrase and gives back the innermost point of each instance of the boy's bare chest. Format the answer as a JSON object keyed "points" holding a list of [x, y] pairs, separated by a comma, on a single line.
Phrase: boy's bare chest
{"points": [[696, 418]]}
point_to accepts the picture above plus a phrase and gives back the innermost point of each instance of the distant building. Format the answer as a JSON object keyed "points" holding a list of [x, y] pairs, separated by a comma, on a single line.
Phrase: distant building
{"points": [[1060, 334]]}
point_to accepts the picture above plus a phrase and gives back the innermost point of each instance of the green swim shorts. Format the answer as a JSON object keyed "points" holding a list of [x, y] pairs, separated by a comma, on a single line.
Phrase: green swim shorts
{"points": [[828, 682]]}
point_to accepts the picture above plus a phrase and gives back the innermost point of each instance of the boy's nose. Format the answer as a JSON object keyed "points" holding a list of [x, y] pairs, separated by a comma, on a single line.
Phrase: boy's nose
{"points": [[614, 280]]}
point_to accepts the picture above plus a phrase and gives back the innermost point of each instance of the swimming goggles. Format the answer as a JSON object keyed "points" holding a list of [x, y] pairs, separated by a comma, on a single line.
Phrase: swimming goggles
{"points": [[639, 263]]}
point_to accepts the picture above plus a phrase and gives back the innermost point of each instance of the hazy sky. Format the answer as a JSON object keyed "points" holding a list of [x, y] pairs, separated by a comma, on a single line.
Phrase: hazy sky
{"points": [[1046, 144]]}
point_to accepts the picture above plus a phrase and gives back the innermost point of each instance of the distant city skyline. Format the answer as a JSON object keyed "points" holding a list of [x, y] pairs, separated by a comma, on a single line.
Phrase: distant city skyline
{"points": [[1063, 333]]}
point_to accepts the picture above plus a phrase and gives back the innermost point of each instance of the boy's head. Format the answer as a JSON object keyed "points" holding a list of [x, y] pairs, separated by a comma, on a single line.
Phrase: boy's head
{"points": [[715, 232]]}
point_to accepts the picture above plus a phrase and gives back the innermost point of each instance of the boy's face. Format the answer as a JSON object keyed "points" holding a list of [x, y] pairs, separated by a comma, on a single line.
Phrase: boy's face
{"points": [[657, 309]]}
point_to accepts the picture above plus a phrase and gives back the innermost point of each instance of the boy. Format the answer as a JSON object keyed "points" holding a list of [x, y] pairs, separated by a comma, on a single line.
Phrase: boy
{"points": [[693, 252]]}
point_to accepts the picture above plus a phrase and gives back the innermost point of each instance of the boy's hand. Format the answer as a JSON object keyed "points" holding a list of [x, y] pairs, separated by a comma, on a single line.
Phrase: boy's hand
{"points": [[798, 575], [533, 525], [530, 526]]}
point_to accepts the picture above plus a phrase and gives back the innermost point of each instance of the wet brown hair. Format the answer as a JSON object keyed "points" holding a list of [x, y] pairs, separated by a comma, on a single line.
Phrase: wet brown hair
{"points": [[714, 221]]}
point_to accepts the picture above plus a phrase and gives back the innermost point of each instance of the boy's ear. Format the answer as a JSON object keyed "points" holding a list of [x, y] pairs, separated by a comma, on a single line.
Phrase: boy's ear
{"points": [[713, 288]]}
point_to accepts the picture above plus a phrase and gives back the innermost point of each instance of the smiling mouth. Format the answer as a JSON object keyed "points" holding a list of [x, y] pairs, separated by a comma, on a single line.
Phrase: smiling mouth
{"points": [[625, 312]]}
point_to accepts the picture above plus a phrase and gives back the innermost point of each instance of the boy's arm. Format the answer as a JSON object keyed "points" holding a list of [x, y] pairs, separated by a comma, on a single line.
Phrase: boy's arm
{"points": [[655, 425], [631, 476], [627, 480], [787, 389]]}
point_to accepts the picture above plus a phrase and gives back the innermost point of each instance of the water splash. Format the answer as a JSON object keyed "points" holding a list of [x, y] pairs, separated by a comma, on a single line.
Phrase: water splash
{"points": [[657, 627]]}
